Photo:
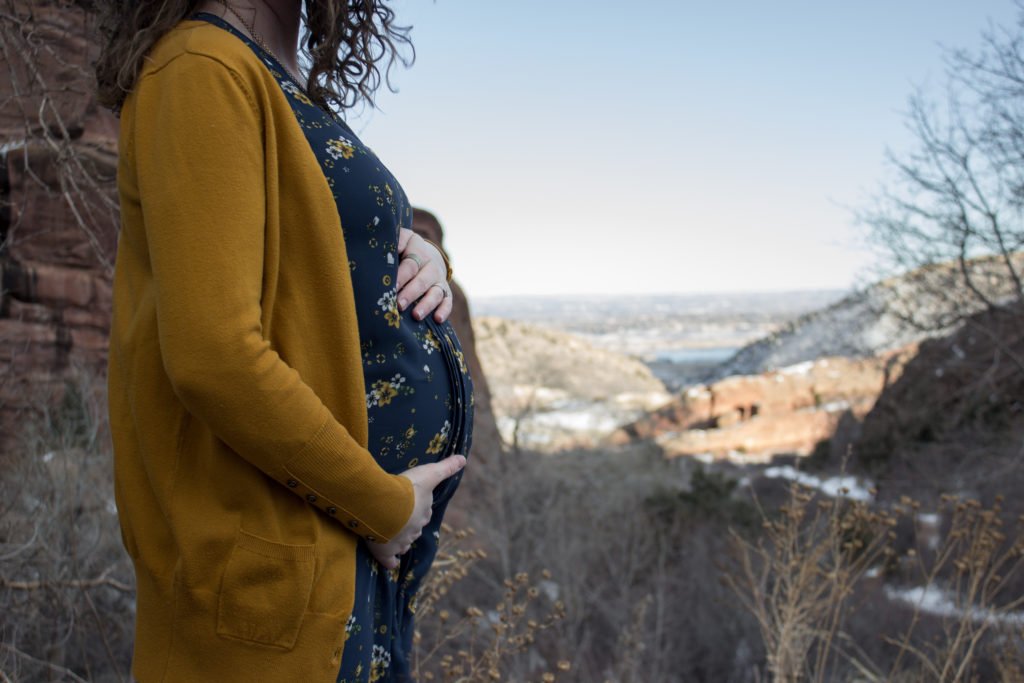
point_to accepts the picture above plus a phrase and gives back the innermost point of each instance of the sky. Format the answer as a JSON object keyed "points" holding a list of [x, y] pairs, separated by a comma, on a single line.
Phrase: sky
{"points": [[667, 146]]}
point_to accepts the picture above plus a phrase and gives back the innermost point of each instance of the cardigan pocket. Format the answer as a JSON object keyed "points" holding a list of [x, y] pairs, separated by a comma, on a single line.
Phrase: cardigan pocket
{"points": [[265, 591]]}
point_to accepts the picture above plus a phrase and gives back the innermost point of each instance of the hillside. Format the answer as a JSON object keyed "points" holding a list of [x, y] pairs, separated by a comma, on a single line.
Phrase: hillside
{"points": [[552, 389], [866, 322]]}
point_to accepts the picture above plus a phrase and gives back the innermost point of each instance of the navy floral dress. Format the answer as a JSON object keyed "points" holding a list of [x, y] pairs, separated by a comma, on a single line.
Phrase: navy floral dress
{"points": [[419, 395]]}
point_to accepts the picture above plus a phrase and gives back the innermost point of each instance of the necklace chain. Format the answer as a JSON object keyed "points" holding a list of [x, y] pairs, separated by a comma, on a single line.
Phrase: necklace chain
{"points": [[251, 28]]}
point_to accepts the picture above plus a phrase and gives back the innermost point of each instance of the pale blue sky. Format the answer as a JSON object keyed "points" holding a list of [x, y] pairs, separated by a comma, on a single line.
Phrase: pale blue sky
{"points": [[611, 147]]}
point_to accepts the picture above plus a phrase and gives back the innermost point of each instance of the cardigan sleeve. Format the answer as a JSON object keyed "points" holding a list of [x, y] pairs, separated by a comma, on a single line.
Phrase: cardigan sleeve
{"points": [[197, 144]]}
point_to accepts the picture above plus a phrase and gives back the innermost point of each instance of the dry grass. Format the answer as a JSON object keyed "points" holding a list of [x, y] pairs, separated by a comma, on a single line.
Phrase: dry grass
{"points": [[476, 644], [819, 562], [628, 569], [66, 586]]}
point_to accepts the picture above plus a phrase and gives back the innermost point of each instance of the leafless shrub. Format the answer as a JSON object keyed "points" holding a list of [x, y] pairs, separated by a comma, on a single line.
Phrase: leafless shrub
{"points": [[635, 554], [66, 588], [797, 578], [821, 561], [477, 644], [950, 216]]}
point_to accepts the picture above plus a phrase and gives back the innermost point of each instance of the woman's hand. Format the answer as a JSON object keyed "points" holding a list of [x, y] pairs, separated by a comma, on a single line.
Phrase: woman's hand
{"points": [[424, 479], [419, 279]]}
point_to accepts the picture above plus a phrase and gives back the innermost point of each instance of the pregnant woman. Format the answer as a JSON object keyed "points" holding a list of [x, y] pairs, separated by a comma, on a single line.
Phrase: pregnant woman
{"points": [[289, 408]]}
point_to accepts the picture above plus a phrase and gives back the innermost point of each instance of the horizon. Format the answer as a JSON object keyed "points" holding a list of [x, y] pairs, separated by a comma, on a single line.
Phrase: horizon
{"points": [[639, 295]]}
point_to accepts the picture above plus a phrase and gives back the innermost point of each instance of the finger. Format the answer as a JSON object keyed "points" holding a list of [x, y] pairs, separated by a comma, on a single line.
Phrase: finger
{"points": [[407, 270], [416, 286], [442, 469], [434, 297], [385, 558], [404, 235], [442, 312]]}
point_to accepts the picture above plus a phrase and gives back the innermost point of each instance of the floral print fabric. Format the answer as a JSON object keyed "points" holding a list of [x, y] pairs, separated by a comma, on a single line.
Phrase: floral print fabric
{"points": [[419, 396]]}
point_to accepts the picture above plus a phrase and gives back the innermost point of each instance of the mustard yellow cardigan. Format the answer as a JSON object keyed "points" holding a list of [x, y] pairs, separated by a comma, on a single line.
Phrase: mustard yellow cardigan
{"points": [[236, 395]]}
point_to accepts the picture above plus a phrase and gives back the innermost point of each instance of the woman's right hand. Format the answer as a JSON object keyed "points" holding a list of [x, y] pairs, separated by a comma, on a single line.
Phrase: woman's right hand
{"points": [[425, 479]]}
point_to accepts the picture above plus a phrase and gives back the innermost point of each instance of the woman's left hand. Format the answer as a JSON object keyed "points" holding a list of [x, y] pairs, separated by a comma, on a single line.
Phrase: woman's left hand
{"points": [[428, 280]]}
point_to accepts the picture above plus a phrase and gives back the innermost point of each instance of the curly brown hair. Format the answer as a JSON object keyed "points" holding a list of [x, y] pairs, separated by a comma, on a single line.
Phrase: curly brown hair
{"points": [[350, 45]]}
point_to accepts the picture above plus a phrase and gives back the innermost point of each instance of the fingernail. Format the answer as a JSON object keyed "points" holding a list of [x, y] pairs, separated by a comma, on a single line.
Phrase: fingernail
{"points": [[417, 315], [462, 461], [402, 303]]}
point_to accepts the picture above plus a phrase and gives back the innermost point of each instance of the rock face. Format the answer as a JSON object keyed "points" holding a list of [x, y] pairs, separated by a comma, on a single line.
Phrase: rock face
{"points": [[58, 223], [956, 415], [554, 390], [753, 417]]}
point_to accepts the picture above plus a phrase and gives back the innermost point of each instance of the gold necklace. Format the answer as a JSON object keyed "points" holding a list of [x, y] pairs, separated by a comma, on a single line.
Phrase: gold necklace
{"points": [[251, 28]]}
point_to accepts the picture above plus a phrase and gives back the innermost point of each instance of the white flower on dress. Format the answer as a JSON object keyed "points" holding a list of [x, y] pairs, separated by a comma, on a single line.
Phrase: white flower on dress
{"points": [[380, 660], [388, 303]]}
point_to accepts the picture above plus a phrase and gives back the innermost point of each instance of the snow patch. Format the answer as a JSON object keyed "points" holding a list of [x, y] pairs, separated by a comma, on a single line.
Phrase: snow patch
{"points": [[798, 368], [844, 487], [939, 602]]}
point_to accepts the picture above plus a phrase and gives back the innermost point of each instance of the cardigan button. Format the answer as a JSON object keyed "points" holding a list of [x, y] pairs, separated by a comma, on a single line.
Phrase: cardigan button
{"points": [[371, 539], [292, 483], [311, 497], [352, 523], [332, 510]]}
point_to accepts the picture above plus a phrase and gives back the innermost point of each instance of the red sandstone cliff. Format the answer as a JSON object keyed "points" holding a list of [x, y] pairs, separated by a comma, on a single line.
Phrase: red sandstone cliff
{"points": [[752, 417], [58, 222]]}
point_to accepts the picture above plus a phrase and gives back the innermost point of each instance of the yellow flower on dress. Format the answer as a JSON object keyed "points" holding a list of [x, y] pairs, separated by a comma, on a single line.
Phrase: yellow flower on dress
{"points": [[388, 303], [297, 93], [340, 148], [440, 439], [383, 390], [411, 606]]}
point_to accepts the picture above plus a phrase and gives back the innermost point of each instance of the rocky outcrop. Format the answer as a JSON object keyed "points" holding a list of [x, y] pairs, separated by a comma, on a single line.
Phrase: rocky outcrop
{"points": [[954, 420], [753, 417], [58, 223]]}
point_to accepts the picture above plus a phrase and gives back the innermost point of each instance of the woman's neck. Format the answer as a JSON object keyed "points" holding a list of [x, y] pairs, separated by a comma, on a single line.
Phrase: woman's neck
{"points": [[275, 21]]}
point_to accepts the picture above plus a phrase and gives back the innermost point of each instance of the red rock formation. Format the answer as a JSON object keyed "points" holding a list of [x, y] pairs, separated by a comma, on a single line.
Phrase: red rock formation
{"points": [[58, 226], [756, 416]]}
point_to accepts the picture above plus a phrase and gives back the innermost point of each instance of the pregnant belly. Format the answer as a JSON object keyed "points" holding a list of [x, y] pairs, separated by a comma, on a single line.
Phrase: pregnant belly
{"points": [[419, 394]]}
